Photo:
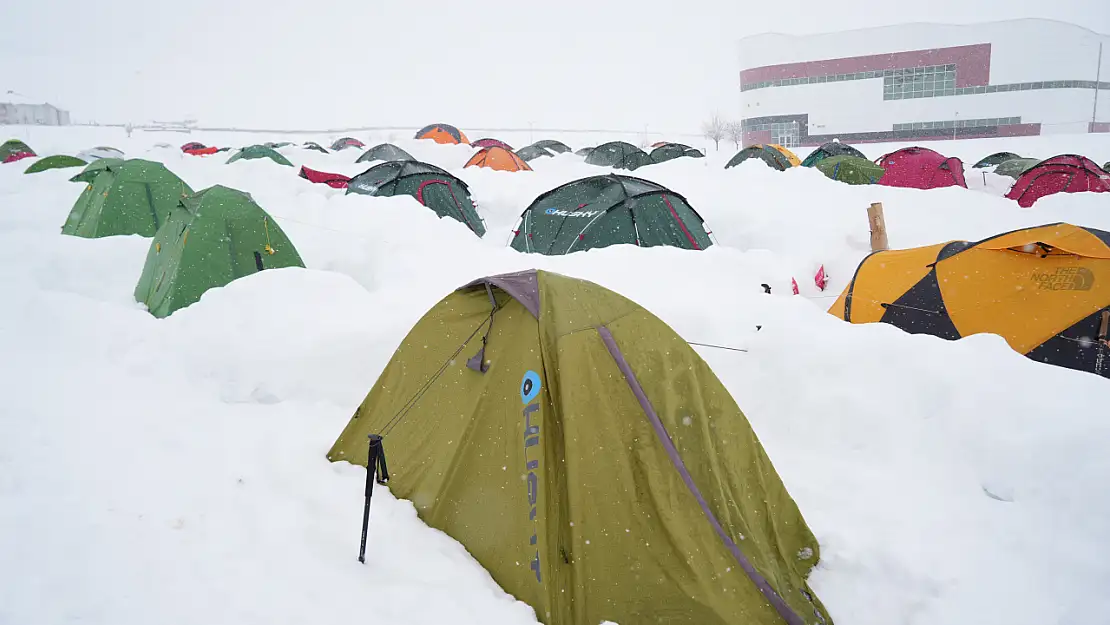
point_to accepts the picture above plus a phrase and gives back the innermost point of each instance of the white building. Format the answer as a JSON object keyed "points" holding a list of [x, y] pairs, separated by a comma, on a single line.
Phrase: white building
{"points": [[18, 109], [925, 81]]}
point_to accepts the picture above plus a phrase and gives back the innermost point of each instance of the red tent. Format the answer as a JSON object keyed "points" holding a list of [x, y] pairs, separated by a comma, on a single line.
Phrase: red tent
{"points": [[202, 151], [192, 145], [921, 168], [335, 181], [491, 143], [1066, 173]]}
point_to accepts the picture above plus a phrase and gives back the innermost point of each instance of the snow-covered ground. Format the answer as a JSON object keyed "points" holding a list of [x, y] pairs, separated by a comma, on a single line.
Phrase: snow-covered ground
{"points": [[173, 471]]}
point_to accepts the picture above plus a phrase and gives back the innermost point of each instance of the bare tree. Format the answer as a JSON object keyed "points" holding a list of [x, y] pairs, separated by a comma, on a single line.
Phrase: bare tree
{"points": [[715, 129], [735, 132]]}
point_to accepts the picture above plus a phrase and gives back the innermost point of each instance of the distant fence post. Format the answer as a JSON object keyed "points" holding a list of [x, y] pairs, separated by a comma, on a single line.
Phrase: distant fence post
{"points": [[878, 227]]}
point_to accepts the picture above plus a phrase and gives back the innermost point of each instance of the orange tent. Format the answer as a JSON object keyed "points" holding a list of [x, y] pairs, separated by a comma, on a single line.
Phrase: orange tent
{"points": [[499, 159], [442, 133]]}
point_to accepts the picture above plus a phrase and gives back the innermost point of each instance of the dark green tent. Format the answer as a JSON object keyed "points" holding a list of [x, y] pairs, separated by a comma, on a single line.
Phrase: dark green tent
{"points": [[850, 169], [557, 147], [672, 151], [995, 159], [832, 148], [769, 155], [588, 458], [584, 151], [1015, 167], [608, 210], [619, 155], [209, 239], [1106, 166], [58, 161], [385, 152], [433, 187], [13, 146], [123, 197], [280, 144], [312, 145], [259, 151], [531, 153]]}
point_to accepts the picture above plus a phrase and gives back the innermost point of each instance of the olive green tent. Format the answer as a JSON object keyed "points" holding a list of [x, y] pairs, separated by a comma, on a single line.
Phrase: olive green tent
{"points": [[211, 238], [384, 152], [672, 151], [588, 458], [1015, 167], [995, 159], [13, 146], [608, 210], [259, 151], [123, 197], [58, 161], [433, 187], [619, 155], [850, 169]]}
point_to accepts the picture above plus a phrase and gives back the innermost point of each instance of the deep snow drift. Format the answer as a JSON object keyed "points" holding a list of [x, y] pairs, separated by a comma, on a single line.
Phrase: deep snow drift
{"points": [[173, 470]]}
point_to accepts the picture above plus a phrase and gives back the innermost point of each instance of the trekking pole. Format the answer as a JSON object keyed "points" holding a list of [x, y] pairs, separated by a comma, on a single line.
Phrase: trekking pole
{"points": [[376, 471]]}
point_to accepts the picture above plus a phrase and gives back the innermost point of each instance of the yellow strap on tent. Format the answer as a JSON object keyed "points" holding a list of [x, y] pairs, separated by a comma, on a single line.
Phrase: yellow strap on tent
{"points": [[266, 228]]}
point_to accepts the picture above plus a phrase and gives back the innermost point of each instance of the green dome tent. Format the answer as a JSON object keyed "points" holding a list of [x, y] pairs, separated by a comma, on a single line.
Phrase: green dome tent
{"points": [[588, 458], [58, 161], [850, 169], [619, 155], [769, 155], [312, 145], [584, 151], [273, 145], [123, 197], [209, 239], [13, 146], [995, 159], [433, 187], [532, 152], [384, 152], [557, 147], [259, 151], [608, 210], [671, 151], [1015, 167], [832, 148]]}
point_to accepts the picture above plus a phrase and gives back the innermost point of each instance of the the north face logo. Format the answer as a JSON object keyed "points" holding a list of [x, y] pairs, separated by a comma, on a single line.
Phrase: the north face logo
{"points": [[1065, 279]]}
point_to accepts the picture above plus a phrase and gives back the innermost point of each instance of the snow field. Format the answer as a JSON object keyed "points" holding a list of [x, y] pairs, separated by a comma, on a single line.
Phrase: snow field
{"points": [[176, 467]]}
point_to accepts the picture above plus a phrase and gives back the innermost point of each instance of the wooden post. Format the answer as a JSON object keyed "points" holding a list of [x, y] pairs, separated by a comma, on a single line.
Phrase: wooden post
{"points": [[878, 227]]}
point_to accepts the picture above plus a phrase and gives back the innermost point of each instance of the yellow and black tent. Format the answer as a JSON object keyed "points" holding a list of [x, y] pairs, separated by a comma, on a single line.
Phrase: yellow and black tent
{"points": [[1046, 290]]}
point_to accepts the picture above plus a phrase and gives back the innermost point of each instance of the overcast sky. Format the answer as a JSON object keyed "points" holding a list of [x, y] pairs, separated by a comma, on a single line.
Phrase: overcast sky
{"points": [[617, 64]]}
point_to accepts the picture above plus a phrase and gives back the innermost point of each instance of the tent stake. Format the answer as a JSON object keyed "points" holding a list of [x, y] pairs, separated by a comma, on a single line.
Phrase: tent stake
{"points": [[374, 459]]}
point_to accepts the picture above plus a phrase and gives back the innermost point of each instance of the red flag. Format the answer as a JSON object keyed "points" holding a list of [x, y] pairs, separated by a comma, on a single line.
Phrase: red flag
{"points": [[820, 279], [794, 285]]}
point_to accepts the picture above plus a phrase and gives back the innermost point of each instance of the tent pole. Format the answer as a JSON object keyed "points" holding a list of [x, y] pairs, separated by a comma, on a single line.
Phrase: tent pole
{"points": [[374, 458]]}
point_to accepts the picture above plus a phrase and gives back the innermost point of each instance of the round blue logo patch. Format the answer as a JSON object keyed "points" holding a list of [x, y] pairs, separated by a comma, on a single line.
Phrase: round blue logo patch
{"points": [[529, 387]]}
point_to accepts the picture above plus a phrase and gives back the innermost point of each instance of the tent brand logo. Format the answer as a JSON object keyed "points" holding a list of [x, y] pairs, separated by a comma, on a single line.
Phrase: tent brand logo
{"points": [[563, 213], [529, 393], [1065, 279]]}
